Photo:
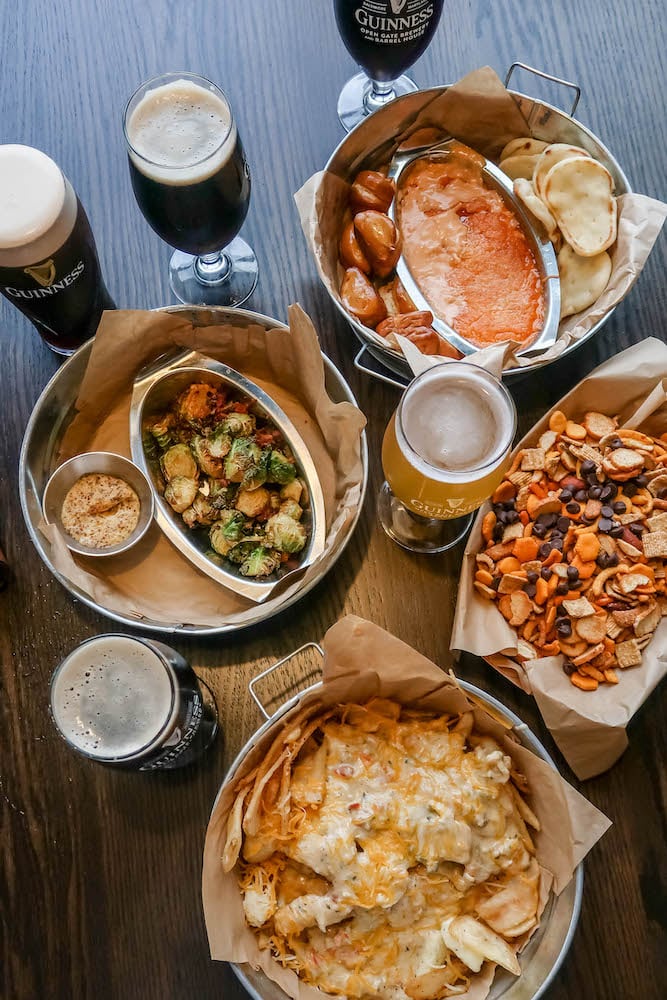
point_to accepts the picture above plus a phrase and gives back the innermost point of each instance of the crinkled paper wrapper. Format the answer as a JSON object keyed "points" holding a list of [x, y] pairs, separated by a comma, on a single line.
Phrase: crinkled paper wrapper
{"points": [[153, 579], [589, 727], [363, 661], [479, 111]]}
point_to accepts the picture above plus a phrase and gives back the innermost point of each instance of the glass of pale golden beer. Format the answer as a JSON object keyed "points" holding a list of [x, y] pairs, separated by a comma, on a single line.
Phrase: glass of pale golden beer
{"points": [[445, 451]]}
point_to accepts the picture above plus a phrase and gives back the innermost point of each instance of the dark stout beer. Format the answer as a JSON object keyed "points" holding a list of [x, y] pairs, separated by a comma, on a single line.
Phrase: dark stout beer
{"points": [[187, 166], [49, 267], [387, 36]]}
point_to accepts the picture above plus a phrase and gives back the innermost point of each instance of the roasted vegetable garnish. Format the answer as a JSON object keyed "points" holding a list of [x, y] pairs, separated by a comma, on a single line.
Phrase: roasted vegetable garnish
{"points": [[231, 477]]}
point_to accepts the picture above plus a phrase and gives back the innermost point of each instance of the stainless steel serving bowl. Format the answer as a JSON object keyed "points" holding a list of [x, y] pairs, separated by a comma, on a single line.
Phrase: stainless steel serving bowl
{"points": [[356, 153], [545, 952]]}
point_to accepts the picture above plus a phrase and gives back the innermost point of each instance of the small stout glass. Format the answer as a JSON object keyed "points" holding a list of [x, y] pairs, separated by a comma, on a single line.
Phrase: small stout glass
{"points": [[192, 183], [385, 37], [445, 451], [49, 268], [132, 703]]}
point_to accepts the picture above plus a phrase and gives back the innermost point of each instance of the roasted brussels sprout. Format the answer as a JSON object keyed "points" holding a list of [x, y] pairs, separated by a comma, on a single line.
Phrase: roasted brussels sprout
{"points": [[207, 462], [226, 532], [198, 404], [180, 493], [238, 424], [252, 502], [161, 430], [244, 454], [292, 491], [219, 443], [201, 511], [179, 461], [285, 534], [281, 470], [292, 509], [257, 474], [260, 562]]}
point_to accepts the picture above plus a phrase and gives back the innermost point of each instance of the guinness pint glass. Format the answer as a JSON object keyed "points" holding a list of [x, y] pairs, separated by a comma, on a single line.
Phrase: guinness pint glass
{"points": [[132, 703], [48, 262]]}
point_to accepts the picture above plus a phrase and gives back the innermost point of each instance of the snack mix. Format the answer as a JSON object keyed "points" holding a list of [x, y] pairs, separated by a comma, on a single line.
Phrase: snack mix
{"points": [[575, 546]]}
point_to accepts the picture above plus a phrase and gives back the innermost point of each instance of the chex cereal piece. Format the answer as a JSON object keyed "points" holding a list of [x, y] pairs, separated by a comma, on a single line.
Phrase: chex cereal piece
{"points": [[520, 479], [658, 522], [586, 452], [628, 653], [533, 458], [655, 544]]}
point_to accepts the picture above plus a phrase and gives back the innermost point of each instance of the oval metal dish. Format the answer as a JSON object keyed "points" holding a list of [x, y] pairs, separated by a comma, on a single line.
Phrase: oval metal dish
{"points": [[545, 952], [56, 408], [154, 389], [543, 251]]}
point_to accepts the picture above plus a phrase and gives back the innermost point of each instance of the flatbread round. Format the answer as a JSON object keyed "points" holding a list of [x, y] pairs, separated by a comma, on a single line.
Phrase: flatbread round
{"points": [[578, 190], [525, 192], [553, 154], [519, 165], [529, 146], [582, 279]]}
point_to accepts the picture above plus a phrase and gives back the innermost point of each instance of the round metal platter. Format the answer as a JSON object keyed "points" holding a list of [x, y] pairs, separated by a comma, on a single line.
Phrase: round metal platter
{"points": [[545, 122], [545, 952], [52, 414]]}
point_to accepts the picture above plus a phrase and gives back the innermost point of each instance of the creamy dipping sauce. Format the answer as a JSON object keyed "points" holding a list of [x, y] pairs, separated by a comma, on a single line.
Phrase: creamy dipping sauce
{"points": [[467, 251], [100, 511]]}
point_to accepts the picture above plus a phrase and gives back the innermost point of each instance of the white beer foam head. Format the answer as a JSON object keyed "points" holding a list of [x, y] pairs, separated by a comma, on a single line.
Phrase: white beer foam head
{"points": [[457, 420], [180, 133], [111, 697], [32, 193]]}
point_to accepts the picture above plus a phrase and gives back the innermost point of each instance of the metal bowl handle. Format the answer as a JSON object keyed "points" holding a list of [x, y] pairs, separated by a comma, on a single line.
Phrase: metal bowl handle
{"points": [[279, 663], [546, 76], [380, 376]]}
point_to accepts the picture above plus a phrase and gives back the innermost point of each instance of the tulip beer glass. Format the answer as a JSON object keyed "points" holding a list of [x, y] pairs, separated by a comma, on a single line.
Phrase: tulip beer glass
{"points": [[192, 183], [444, 452], [385, 37]]}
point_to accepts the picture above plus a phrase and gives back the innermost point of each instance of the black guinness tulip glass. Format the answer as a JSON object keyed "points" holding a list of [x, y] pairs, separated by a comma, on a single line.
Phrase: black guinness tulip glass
{"points": [[385, 37], [192, 183]]}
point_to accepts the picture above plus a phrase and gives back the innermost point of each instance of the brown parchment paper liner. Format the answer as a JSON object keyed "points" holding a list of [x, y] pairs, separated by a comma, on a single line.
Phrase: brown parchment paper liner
{"points": [[589, 727], [154, 580], [362, 661], [479, 111]]}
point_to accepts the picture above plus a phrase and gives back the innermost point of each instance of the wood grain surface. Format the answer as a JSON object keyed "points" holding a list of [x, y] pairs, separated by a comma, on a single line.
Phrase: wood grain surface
{"points": [[100, 874]]}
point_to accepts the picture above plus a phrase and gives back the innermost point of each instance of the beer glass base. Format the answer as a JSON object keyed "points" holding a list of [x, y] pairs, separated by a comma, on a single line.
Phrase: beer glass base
{"points": [[234, 282], [414, 532], [356, 102]]}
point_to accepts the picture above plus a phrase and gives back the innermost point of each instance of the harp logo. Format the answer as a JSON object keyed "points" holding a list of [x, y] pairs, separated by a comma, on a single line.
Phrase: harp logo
{"points": [[44, 274], [397, 6]]}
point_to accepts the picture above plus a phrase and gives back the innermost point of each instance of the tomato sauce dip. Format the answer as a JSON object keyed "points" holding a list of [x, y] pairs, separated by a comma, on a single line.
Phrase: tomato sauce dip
{"points": [[467, 252]]}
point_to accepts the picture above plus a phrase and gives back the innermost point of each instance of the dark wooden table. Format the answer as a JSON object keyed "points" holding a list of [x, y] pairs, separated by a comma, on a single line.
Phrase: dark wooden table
{"points": [[100, 871]]}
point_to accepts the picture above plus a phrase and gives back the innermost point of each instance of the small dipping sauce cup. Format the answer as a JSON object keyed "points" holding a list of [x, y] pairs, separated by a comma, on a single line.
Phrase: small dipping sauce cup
{"points": [[132, 703]]}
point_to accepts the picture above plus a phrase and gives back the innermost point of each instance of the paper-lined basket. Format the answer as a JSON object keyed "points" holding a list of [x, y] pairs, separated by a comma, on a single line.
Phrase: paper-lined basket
{"points": [[589, 727]]}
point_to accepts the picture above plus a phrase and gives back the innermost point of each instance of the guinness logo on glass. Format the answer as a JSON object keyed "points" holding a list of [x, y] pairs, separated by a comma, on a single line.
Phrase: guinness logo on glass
{"points": [[44, 274]]}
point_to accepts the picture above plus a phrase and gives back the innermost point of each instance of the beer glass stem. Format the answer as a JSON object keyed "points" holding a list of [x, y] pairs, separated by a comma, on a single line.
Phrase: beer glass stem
{"points": [[380, 93], [212, 268]]}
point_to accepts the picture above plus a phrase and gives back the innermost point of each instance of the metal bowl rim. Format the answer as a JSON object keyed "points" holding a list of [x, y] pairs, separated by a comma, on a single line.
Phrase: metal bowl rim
{"points": [[141, 623], [527, 738]]}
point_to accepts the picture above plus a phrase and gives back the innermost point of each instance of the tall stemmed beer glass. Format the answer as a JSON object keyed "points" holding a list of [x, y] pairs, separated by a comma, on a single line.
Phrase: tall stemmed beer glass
{"points": [[192, 182], [385, 37], [445, 451]]}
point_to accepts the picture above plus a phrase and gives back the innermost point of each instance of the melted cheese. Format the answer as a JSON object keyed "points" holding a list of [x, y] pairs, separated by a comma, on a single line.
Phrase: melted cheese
{"points": [[404, 825]]}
